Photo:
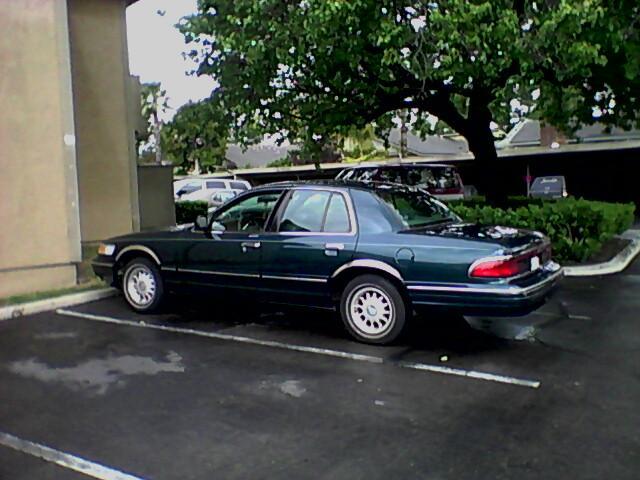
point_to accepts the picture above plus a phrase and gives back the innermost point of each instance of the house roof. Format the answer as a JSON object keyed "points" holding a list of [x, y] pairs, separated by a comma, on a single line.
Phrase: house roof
{"points": [[256, 156], [430, 145], [527, 134]]}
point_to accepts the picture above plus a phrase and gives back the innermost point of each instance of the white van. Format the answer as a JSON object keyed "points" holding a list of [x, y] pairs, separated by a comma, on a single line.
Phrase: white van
{"points": [[204, 188]]}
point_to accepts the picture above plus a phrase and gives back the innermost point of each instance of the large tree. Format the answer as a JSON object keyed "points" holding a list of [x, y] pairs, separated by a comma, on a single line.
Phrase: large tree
{"points": [[313, 68], [196, 137]]}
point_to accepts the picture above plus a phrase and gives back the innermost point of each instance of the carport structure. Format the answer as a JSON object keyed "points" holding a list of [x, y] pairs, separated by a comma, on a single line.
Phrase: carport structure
{"points": [[67, 148]]}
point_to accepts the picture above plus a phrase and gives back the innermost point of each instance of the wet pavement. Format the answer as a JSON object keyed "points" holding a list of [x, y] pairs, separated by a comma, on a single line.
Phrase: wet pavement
{"points": [[190, 399]]}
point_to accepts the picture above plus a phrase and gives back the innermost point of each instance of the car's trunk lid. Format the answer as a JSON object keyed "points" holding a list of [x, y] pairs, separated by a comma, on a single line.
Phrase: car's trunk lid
{"points": [[512, 240]]}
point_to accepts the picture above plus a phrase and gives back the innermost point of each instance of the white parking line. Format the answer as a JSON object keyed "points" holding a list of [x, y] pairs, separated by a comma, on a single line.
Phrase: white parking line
{"points": [[65, 460], [318, 351]]}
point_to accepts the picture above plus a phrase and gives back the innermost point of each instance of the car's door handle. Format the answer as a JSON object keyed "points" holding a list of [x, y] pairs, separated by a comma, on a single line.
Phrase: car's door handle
{"points": [[332, 249], [252, 245]]}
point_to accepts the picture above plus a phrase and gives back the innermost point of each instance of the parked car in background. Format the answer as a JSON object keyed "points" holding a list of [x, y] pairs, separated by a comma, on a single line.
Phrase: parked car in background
{"points": [[221, 197], [374, 252], [549, 187], [441, 181], [203, 188]]}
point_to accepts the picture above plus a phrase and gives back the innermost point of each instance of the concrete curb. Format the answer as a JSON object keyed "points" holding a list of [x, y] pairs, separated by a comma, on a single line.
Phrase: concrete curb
{"points": [[615, 265], [14, 311]]}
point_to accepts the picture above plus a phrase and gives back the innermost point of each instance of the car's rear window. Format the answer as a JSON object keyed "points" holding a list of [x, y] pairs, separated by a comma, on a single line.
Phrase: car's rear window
{"points": [[548, 184], [415, 209]]}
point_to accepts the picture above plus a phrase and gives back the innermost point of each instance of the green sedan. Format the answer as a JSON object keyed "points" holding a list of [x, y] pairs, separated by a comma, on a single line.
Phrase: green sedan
{"points": [[376, 253]]}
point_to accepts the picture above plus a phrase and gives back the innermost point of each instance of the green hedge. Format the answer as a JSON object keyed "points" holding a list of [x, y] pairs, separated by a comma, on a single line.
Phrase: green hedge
{"points": [[577, 228], [187, 211]]}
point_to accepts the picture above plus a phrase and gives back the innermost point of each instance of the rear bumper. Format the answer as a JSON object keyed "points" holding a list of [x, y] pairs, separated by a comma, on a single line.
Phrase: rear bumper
{"points": [[498, 299]]}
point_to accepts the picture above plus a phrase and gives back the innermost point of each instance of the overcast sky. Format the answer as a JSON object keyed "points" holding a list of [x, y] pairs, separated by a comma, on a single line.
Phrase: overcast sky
{"points": [[155, 49]]}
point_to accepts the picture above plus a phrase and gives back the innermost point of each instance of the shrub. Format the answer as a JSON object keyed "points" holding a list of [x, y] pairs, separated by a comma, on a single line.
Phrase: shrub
{"points": [[281, 162], [187, 211], [577, 228]]}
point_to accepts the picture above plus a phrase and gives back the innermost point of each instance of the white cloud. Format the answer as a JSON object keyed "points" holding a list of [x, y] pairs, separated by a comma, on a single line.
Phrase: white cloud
{"points": [[156, 47]]}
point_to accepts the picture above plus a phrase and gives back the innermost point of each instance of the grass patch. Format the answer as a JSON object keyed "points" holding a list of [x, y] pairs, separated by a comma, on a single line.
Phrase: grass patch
{"points": [[32, 297]]}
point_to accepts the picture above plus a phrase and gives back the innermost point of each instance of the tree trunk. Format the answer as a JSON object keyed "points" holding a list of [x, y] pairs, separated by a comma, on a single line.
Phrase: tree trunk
{"points": [[489, 171], [156, 134], [476, 128]]}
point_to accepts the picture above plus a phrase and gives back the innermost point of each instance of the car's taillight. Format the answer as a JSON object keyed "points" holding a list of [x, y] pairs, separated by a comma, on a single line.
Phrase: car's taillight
{"points": [[507, 267], [497, 268], [500, 267]]}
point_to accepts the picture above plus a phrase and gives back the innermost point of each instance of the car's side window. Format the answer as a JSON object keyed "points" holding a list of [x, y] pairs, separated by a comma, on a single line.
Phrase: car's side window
{"points": [[337, 218], [247, 216], [315, 211], [216, 184], [371, 217], [305, 211]]}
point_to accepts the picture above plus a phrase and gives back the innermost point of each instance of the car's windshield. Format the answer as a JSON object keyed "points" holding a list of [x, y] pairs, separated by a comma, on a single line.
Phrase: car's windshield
{"points": [[415, 209]]}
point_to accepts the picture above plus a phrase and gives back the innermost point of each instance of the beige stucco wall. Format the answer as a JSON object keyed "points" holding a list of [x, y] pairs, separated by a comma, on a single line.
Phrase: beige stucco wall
{"points": [[155, 190], [105, 134], [39, 233]]}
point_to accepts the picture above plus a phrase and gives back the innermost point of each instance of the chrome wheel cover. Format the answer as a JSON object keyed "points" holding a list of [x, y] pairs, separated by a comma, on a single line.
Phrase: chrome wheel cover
{"points": [[371, 312], [140, 286]]}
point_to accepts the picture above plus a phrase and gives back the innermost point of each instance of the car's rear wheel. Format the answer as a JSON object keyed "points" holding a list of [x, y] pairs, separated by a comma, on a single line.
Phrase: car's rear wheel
{"points": [[373, 310], [142, 285]]}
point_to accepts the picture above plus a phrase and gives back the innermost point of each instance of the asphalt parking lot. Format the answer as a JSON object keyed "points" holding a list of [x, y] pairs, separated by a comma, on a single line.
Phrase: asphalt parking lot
{"points": [[203, 392]]}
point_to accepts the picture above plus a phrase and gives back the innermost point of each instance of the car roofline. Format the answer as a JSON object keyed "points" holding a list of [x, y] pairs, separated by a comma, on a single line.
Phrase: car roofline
{"points": [[346, 184]]}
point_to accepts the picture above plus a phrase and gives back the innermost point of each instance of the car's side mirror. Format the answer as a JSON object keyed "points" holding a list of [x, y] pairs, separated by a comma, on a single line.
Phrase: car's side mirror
{"points": [[217, 228], [201, 222]]}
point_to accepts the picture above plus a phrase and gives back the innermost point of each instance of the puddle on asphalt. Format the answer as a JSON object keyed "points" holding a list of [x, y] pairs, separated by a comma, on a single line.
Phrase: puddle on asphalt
{"points": [[503, 328], [97, 375], [290, 388], [521, 328]]}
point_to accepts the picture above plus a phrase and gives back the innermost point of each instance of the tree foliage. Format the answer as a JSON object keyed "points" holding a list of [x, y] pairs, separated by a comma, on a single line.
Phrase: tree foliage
{"points": [[196, 136], [154, 103], [314, 68]]}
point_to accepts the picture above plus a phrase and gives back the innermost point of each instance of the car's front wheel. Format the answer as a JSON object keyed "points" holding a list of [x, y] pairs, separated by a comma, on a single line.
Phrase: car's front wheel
{"points": [[373, 310], [142, 285]]}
